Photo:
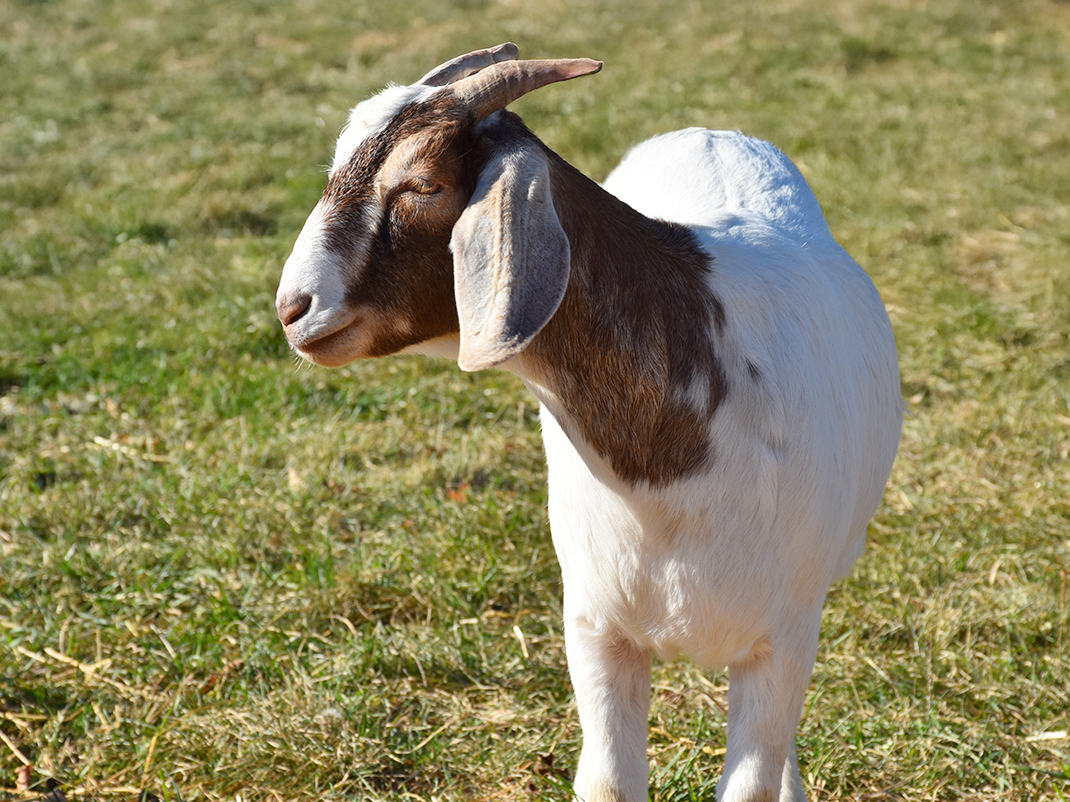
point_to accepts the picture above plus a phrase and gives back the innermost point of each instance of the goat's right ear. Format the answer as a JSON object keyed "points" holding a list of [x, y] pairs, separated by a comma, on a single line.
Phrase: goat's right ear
{"points": [[510, 259]]}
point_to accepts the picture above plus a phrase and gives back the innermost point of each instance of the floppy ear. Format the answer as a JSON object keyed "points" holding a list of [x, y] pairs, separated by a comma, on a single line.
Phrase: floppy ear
{"points": [[510, 259]]}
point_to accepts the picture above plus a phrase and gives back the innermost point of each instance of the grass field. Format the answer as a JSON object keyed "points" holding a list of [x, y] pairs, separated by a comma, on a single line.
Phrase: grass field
{"points": [[224, 576]]}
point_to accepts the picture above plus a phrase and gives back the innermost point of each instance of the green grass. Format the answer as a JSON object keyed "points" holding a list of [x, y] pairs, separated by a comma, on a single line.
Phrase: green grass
{"points": [[227, 576]]}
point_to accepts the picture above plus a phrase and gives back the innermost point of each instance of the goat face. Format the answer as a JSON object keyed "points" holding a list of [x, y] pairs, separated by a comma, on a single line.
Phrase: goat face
{"points": [[371, 272], [422, 171]]}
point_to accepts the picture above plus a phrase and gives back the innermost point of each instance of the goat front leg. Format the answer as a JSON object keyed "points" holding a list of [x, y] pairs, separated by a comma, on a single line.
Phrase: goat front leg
{"points": [[765, 696], [611, 678]]}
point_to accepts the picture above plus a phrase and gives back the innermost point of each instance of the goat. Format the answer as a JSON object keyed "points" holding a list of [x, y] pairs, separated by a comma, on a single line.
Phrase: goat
{"points": [[718, 382]]}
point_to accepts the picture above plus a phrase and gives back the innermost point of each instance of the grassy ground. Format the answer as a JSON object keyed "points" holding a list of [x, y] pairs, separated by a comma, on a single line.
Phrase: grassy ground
{"points": [[224, 576]]}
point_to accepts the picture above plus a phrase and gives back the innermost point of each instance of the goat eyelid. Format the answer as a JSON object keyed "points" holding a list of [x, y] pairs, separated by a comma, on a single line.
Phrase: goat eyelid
{"points": [[413, 190], [421, 186]]}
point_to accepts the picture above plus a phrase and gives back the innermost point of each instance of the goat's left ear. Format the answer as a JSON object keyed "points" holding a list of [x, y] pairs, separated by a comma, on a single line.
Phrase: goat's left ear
{"points": [[510, 259]]}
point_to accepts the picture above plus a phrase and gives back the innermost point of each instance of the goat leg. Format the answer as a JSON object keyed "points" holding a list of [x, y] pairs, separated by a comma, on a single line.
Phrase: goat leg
{"points": [[611, 678]]}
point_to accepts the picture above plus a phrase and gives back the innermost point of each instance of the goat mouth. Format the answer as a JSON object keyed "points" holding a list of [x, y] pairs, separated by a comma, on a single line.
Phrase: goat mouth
{"points": [[337, 347]]}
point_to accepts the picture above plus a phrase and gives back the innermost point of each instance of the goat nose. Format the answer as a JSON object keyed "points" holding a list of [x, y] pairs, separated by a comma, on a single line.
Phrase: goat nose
{"points": [[291, 306]]}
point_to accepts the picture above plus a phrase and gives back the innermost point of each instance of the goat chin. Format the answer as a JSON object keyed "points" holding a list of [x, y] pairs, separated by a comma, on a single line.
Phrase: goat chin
{"points": [[718, 381]]}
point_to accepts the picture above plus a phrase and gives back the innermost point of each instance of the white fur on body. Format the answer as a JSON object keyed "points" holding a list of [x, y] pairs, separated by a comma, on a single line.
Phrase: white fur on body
{"points": [[731, 567], [728, 565]]}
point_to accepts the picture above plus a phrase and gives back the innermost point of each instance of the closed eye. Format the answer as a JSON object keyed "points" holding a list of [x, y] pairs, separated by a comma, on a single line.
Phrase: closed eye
{"points": [[422, 186]]}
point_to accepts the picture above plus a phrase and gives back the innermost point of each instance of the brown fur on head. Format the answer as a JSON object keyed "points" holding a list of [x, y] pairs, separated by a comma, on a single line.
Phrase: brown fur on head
{"points": [[392, 206], [375, 273]]}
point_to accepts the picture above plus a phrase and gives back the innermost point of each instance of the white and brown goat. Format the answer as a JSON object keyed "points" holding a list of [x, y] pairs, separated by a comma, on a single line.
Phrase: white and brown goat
{"points": [[718, 383]]}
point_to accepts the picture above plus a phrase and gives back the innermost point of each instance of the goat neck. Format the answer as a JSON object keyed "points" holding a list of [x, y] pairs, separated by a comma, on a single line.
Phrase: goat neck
{"points": [[628, 364]]}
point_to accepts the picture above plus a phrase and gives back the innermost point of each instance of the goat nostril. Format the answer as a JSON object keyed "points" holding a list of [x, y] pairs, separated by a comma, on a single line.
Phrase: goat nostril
{"points": [[292, 306]]}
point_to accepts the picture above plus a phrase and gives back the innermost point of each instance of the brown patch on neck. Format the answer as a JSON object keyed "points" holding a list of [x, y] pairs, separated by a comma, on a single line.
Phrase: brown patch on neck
{"points": [[631, 352]]}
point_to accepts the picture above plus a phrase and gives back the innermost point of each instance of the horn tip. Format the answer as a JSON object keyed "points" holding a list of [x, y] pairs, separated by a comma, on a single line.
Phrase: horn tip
{"points": [[585, 66], [506, 51]]}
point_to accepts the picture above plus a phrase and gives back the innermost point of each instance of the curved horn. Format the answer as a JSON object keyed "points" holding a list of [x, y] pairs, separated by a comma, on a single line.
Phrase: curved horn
{"points": [[500, 84], [469, 63]]}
